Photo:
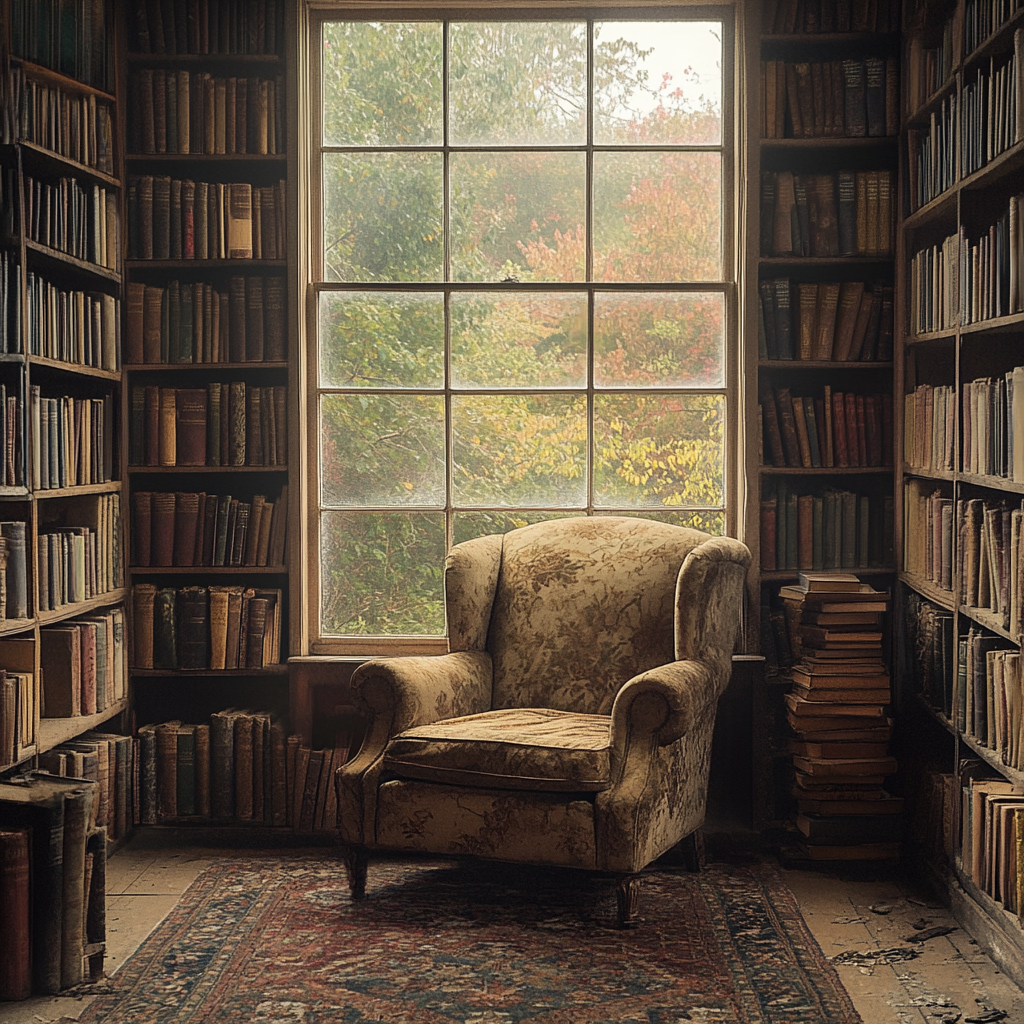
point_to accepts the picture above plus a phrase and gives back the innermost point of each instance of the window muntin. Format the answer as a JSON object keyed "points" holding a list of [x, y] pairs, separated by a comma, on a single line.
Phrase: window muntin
{"points": [[524, 294]]}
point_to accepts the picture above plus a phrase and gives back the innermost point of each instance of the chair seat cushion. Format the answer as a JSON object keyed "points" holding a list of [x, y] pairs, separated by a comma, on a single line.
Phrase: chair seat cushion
{"points": [[518, 748]]}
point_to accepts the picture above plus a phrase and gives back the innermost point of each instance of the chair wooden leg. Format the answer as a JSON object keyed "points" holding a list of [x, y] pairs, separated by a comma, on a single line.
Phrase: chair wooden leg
{"points": [[628, 894], [357, 860], [692, 849]]}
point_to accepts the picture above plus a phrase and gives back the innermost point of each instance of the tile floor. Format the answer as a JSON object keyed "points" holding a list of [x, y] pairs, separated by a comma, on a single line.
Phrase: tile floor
{"points": [[951, 980]]}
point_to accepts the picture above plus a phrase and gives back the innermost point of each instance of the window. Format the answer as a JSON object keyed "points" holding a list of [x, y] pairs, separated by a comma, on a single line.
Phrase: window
{"points": [[522, 290]]}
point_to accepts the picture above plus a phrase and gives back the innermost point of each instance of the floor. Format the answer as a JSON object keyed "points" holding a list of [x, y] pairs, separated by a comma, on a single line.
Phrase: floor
{"points": [[950, 981]]}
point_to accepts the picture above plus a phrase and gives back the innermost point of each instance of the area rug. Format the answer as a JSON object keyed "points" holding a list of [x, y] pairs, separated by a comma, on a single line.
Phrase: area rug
{"points": [[278, 941]]}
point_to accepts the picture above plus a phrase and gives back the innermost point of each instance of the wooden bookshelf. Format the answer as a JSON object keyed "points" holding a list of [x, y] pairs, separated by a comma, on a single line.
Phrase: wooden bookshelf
{"points": [[953, 357]]}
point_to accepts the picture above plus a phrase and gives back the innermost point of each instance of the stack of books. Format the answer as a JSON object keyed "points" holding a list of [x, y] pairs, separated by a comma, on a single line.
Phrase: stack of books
{"points": [[837, 710]]}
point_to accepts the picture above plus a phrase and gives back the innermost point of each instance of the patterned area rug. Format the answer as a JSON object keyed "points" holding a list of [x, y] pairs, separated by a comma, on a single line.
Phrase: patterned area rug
{"points": [[277, 941]]}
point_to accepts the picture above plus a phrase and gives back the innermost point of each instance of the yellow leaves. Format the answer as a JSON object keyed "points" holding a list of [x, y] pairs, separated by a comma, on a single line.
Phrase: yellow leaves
{"points": [[407, 484]]}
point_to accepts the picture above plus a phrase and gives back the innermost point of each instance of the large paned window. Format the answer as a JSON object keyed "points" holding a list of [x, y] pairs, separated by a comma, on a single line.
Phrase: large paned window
{"points": [[522, 290]]}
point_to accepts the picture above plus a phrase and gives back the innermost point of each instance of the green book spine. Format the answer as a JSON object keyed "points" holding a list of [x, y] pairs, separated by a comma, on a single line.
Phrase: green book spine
{"points": [[819, 510], [186, 770], [165, 641], [186, 332], [223, 509]]}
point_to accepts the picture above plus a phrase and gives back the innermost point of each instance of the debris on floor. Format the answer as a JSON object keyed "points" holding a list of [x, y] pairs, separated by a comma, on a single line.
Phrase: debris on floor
{"points": [[881, 908], [875, 957], [930, 933]]}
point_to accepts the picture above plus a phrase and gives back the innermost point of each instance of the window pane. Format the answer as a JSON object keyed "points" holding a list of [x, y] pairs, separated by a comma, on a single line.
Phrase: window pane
{"points": [[382, 84], [467, 525], [519, 450], [383, 216], [518, 84], [657, 83], [518, 215], [381, 339], [381, 573], [712, 521], [659, 339], [382, 450], [659, 450], [520, 340], [657, 217]]}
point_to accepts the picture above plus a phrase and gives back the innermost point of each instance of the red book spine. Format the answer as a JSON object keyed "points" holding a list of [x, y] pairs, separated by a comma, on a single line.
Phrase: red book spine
{"points": [[88, 637], [852, 453], [873, 420], [15, 937], [862, 433], [842, 455], [805, 531]]}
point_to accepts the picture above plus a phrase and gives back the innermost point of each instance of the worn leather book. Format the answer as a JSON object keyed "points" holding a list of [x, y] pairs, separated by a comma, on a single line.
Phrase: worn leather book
{"points": [[279, 530], [807, 293], [314, 770], [239, 220], [167, 769], [17, 569], [855, 99], [253, 535], [237, 309], [222, 763], [275, 346], [236, 424], [243, 724], [218, 605], [186, 770], [802, 438], [234, 628], [193, 628], [165, 632], [784, 404], [15, 936], [190, 427], [280, 393], [164, 507], [785, 216], [772, 430], [186, 515], [767, 219], [850, 295], [143, 601], [254, 346], [61, 662], [278, 774], [828, 303], [202, 770]]}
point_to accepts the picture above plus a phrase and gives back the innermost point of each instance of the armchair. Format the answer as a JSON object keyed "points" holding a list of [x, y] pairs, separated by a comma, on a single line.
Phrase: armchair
{"points": [[571, 722]]}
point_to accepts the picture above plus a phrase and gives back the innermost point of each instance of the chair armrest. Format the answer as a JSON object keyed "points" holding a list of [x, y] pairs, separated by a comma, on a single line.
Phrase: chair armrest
{"points": [[406, 692], [663, 702]]}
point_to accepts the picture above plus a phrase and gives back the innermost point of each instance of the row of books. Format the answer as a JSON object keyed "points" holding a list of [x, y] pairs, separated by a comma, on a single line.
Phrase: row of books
{"points": [[838, 321], [849, 213], [84, 664], [78, 563], [929, 629], [934, 287], [830, 530], [785, 17], [205, 627], [239, 766], [990, 699], [80, 220], [176, 219], [73, 440], [836, 430], [19, 700], [52, 883], [928, 533], [929, 427], [208, 529], [927, 68], [194, 112], [10, 296], [839, 98], [69, 325], [13, 571], [188, 322], [991, 119], [12, 430], [211, 26], [75, 125], [992, 836], [74, 39], [984, 17], [993, 426], [932, 156], [225, 424], [992, 269], [836, 709], [991, 560]]}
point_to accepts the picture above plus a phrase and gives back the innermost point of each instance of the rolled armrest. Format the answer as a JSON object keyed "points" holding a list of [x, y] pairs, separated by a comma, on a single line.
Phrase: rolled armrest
{"points": [[417, 691], [662, 702]]}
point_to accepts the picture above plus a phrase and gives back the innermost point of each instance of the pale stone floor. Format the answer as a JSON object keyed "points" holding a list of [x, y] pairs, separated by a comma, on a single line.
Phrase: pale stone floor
{"points": [[951, 980]]}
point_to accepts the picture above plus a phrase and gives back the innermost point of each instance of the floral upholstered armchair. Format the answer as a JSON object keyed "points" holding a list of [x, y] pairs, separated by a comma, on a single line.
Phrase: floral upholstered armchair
{"points": [[571, 722]]}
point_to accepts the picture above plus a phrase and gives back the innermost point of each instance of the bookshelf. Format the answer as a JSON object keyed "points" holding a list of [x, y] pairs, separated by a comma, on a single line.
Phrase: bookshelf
{"points": [[206, 374], [955, 355], [823, 294]]}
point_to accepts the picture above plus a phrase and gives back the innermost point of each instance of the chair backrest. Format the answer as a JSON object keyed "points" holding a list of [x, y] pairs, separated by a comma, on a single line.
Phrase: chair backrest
{"points": [[582, 605]]}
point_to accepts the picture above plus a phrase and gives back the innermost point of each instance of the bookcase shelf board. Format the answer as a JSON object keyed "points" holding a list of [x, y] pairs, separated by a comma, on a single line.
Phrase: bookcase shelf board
{"points": [[71, 611], [55, 731], [60, 262], [110, 487], [821, 364], [206, 158], [37, 159], [207, 570], [1008, 164], [836, 262], [924, 338], [921, 117], [995, 483], [14, 492], [219, 673], [78, 369], [1012, 322], [173, 368], [988, 619], [205, 60], [943, 598], [812, 40], [10, 627], [836, 471], [993, 761], [942, 206], [884, 142], [996, 929], [60, 80], [232, 266], [936, 715], [151, 470]]}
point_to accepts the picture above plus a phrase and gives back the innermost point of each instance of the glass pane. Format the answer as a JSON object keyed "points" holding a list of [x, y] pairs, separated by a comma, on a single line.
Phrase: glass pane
{"points": [[520, 83], [467, 525], [659, 339], [382, 84], [518, 215], [657, 217], [382, 216], [712, 521], [382, 449], [381, 340], [657, 82], [381, 573], [519, 340], [659, 450], [519, 450]]}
